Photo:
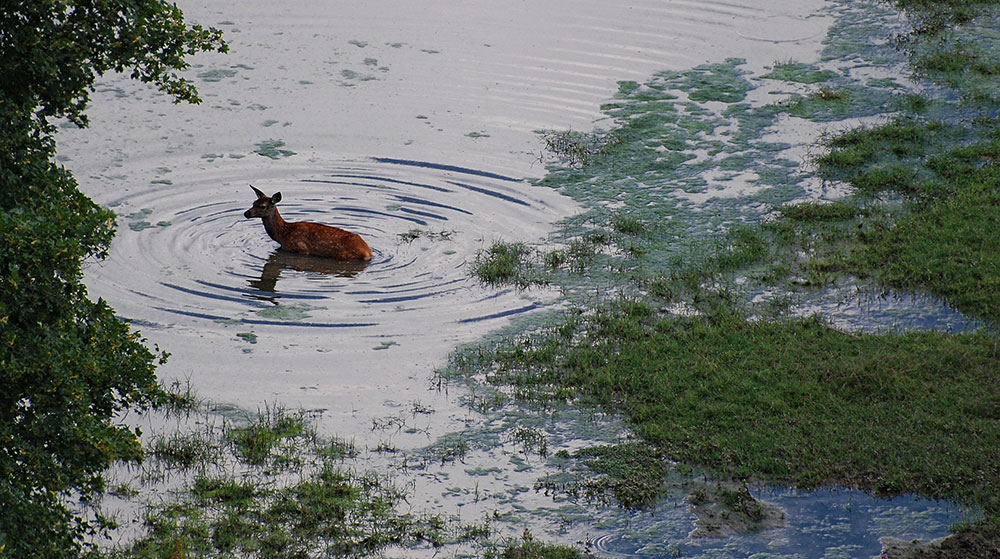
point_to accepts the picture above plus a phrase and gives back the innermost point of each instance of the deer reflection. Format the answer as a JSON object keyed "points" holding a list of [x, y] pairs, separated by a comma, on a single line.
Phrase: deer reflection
{"points": [[285, 260]]}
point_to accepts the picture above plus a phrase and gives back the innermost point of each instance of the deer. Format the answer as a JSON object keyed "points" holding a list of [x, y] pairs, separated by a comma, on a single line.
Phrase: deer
{"points": [[306, 237]]}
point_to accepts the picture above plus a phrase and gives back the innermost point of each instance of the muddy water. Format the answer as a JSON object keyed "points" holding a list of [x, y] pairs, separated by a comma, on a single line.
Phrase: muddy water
{"points": [[414, 124]]}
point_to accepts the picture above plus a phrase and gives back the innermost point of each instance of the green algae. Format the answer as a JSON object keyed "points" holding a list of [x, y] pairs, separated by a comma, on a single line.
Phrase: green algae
{"points": [[272, 149], [800, 72], [248, 337], [286, 312], [217, 75]]}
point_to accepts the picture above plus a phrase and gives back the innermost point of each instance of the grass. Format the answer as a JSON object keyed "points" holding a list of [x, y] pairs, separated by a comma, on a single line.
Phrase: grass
{"points": [[529, 548], [945, 239], [789, 402], [183, 450], [330, 512], [578, 149], [632, 475], [270, 435], [267, 485], [504, 263], [754, 395]]}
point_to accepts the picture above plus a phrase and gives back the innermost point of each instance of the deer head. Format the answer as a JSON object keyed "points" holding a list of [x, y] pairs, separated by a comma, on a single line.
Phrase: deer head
{"points": [[263, 205]]}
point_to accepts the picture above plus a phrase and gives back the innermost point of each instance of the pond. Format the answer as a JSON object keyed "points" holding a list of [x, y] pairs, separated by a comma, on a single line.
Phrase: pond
{"points": [[416, 125]]}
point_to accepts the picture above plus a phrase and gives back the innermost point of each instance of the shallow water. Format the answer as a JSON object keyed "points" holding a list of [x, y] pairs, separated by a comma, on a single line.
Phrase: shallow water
{"points": [[415, 125], [385, 119]]}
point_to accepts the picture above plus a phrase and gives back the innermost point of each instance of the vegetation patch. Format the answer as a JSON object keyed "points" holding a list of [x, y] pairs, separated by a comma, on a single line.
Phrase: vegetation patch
{"points": [[940, 240], [792, 401], [792, 71], [530, 548], [273, 149], [504, 263], [632, 475], [267, 485]]}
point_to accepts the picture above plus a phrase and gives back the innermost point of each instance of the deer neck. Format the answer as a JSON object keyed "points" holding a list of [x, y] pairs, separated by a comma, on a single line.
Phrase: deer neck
{"points": [[274, 225]]}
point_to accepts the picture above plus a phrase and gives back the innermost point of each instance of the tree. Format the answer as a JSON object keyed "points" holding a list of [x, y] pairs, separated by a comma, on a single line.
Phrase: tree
{"points": [[68, 366]]}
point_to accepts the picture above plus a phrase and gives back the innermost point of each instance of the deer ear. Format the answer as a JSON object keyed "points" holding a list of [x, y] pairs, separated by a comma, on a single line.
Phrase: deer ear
{"points": [[259, 193], [276, 198]]}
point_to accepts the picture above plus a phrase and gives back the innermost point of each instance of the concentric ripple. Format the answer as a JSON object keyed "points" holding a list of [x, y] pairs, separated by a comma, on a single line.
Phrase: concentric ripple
{"points": [[185, 256]]}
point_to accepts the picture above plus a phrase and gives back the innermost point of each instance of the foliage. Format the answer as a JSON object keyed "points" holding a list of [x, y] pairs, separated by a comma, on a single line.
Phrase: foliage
{"points": [[68, 365], [54, 51]]}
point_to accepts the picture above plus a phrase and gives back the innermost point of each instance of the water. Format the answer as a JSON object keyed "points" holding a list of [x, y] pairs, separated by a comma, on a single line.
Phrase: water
{"points": [[383, 119], [415, 125]]}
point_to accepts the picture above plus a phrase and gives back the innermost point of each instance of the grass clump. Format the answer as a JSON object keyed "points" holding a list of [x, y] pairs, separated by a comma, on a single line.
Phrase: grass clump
{"points": [[631, 475], [505, 263], [329, 513], [304, 503], [530, 548], [792, 401], [578, 149], [184, 450], [256, 443]]}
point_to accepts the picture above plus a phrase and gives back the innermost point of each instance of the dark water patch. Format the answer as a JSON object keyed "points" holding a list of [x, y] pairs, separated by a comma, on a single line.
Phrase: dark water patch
{"points": [[428, 215], [489, 192], [430, 203], [446, 167], [503, 314], [857, 309], [260, 322], [377, 213], [200, 293], [841, 523], [246, 291], [375, 181]]}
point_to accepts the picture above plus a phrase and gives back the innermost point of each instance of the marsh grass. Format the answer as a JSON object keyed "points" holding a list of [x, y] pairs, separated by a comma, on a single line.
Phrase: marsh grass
{"points": [[184, 450], [504, 263], [578, 149], [329, 512], [789, 402], [945, 238], [528, 548], [631, 475], [273, 434], [265, 484]]}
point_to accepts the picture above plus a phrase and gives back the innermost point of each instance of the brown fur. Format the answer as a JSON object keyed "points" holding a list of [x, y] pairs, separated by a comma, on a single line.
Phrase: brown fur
{"points": [[306, 237]]}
